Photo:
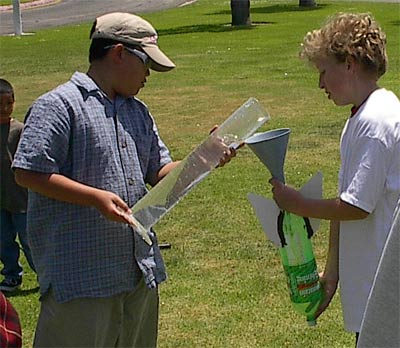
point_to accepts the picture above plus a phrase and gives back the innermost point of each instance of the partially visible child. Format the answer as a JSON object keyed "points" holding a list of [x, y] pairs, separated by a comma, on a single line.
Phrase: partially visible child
{"points": [[350, 54], [13, 198]]}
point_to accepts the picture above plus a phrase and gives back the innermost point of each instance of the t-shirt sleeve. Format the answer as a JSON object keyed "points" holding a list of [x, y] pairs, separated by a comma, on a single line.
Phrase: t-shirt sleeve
{"points": [[370, 161], [159, 154]]}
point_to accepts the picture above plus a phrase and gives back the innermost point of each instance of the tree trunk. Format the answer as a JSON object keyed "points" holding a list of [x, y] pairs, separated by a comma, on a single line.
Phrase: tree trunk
{"points": [[307, 3], [240, 10]]}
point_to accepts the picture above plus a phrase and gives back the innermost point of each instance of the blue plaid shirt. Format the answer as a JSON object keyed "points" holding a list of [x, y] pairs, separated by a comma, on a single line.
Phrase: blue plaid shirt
{"points": [[76, 131]]}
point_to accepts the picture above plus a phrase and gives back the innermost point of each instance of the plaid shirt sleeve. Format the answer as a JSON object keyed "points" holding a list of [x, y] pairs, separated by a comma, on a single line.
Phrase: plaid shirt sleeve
{"points": [[10, 327]]}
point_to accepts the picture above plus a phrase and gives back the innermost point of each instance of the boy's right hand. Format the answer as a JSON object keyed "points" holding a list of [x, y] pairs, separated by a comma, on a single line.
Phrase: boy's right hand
{"points": [[113, 207]]}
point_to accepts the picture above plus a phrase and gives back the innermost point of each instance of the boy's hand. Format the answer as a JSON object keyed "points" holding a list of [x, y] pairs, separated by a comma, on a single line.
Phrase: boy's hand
{"points": [[227, 152], [113, 207], [329, 286], [287, 198]]}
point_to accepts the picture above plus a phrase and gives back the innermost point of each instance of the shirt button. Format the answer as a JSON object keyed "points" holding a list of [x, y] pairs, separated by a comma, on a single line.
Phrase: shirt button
{"points": [[124, 145], [131, 181]]}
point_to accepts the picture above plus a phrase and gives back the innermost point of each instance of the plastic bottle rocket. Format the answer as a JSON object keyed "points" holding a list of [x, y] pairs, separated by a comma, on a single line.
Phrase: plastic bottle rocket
{"points": [[289, 232], [299, 264]]}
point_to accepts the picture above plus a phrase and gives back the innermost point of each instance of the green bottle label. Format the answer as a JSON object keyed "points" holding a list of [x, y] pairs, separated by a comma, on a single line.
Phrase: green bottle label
{"points": [[303, 282]]}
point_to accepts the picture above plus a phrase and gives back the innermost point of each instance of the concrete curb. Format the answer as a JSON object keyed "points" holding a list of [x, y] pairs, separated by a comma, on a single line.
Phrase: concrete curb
{"points": [[27, 5]]}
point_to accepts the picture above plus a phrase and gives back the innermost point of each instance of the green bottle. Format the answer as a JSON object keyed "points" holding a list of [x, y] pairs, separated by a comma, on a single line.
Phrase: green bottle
{"points": [[299, 264]]}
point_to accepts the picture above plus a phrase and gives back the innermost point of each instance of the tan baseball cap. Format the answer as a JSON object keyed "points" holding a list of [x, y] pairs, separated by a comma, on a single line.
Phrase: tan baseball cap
{"points": [[132, 30]]}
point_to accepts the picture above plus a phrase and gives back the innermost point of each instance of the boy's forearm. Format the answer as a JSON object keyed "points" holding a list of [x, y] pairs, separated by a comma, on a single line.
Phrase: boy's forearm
{"points": [[165, 170], [329, 209], [57, 187], [293, 201]]}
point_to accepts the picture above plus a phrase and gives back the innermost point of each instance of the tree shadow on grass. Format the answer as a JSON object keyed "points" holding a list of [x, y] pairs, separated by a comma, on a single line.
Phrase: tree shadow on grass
{"points": [[278, 8], [227, 27], [209, 28], [203, 28]]}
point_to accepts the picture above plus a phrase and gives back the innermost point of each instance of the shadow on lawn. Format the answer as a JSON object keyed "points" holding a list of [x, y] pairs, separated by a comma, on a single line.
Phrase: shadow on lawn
{"points": [[226, 27], [278, 8], [208, 28]]}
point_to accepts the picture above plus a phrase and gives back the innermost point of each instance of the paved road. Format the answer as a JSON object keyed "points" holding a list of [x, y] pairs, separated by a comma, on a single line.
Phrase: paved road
{"points": [[64, 12]]}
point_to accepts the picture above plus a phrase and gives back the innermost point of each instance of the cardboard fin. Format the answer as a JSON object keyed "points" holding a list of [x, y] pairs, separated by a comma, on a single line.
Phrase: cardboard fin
{"points": [[267, 210]]}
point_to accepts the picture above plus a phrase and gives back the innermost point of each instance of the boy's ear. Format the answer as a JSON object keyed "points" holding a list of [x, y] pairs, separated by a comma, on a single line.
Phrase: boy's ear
{"points": [[116, 52]]}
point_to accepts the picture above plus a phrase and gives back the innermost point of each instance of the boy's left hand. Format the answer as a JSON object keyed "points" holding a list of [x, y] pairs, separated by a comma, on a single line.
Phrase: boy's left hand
{"points": [[329, 287], [228, 152]]}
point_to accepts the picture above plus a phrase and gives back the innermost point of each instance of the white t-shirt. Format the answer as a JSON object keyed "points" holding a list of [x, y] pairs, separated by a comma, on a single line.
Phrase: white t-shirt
{"points": [[369, 179]]}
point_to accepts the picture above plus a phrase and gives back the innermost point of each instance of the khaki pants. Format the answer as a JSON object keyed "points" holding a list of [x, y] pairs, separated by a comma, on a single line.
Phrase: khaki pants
{"points": [[125, 320]]}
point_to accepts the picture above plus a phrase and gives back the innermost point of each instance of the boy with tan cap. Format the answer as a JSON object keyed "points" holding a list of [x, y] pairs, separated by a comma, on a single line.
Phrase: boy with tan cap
{"points": [[88, 150]]}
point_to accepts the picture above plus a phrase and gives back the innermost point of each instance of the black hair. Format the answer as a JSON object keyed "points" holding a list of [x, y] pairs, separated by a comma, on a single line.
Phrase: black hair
{"points": [[6, 87], [98, 48], [97, 51]]}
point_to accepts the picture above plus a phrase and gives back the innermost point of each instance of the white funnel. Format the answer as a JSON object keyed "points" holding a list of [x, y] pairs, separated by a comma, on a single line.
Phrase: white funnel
{"points": [[270, 147]]}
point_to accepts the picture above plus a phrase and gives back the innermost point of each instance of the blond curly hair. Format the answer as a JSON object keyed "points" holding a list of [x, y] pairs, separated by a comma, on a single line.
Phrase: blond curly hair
{"points": [[348, 34]]}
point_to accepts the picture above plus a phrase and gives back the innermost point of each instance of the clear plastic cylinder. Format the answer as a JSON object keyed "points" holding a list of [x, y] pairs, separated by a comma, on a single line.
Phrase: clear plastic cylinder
{"points": [[197, 165]]}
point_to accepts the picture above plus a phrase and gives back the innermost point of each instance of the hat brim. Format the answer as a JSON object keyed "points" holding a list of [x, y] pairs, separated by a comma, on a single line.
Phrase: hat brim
{"points": [[159, 61]]}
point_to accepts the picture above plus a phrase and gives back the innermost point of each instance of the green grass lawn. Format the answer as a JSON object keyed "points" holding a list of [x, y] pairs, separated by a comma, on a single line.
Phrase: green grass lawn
{"points": [[226, 285]]}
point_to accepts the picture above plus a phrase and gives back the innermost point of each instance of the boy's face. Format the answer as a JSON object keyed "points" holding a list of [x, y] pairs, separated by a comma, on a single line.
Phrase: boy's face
{"points": [[134, 74], [129, 70], [335, 79], [6, 106]]}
